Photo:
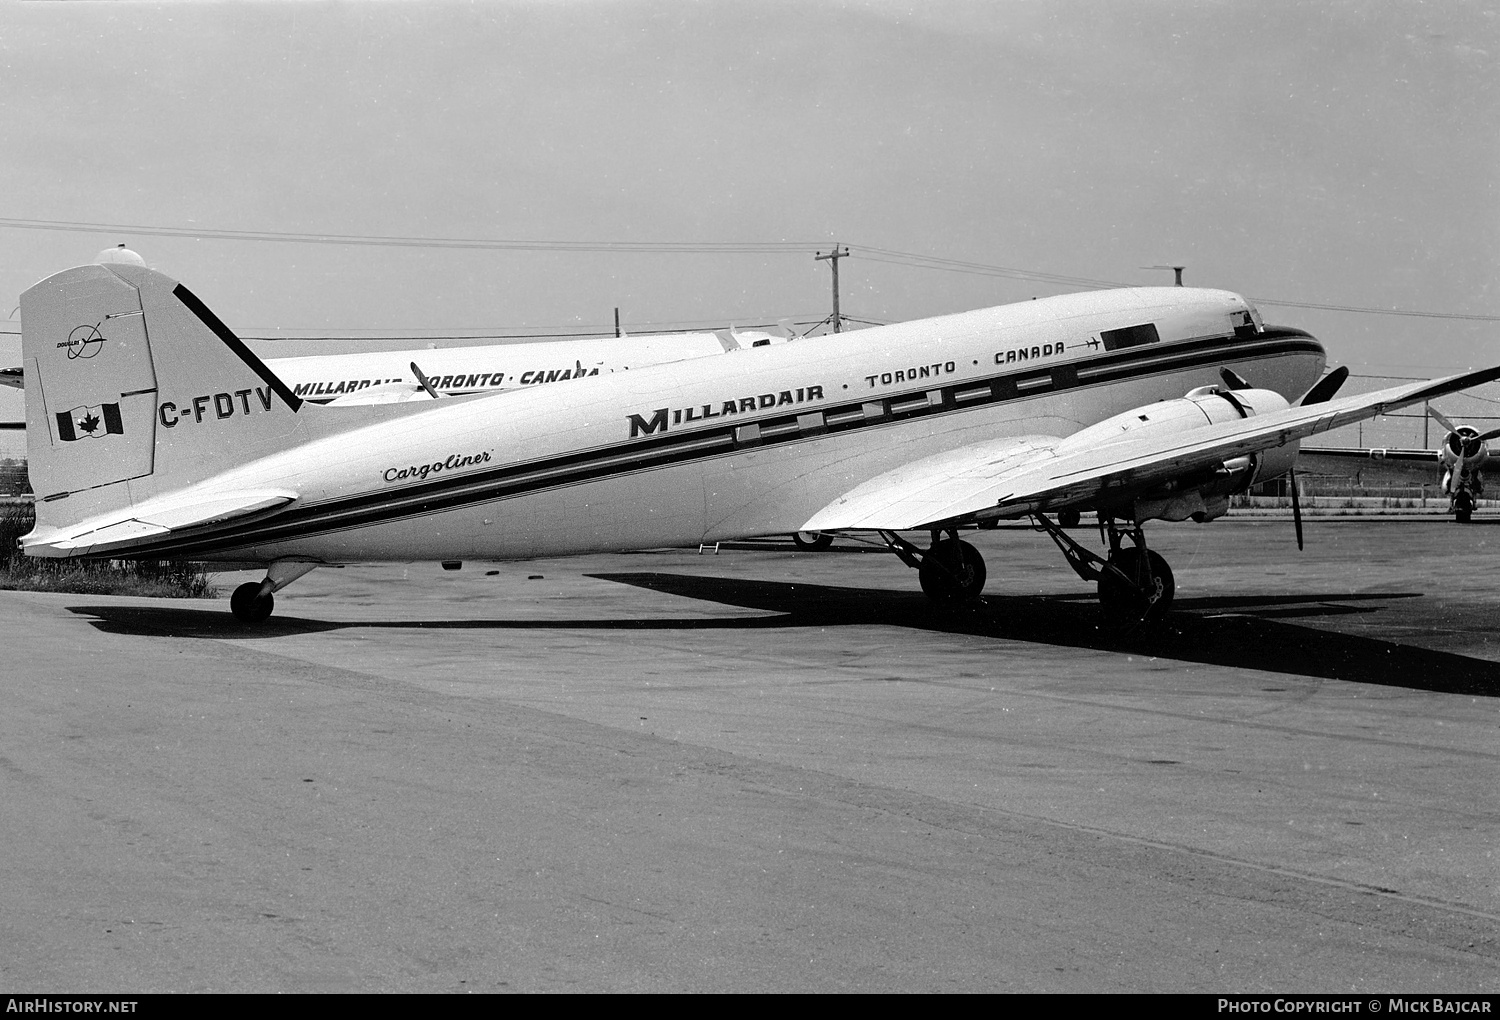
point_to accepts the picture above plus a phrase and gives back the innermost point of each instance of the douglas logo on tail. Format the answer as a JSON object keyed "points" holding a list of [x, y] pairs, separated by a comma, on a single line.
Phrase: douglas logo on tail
{"points": [[83, 342]]}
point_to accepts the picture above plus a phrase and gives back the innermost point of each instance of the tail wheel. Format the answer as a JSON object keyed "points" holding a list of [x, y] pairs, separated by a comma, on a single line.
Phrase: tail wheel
{"points": [[952, 571], [811, 541], [1127, 606], [249, 605], [1069, 519]]}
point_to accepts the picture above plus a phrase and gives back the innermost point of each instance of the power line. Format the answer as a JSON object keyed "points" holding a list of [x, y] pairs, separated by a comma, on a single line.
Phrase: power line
{"points": [[979, 268], [905, 258], [393, 241], [633, 330], [874, 254], [1375, 311]]}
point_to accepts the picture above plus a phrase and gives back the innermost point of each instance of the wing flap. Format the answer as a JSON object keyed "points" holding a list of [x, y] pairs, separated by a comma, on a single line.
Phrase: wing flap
{"points": [[920, 491]]}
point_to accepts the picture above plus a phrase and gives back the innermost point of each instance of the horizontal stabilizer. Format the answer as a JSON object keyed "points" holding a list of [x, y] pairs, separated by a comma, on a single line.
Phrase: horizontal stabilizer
{"points": [[180, 512]]}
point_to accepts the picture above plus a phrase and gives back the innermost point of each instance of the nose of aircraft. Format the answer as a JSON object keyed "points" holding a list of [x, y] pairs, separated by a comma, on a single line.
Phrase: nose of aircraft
{"points": [[1305, 374]]}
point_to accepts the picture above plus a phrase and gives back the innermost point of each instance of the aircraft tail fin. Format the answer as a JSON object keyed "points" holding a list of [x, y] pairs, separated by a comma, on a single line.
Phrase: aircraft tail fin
{"points": [[134, 388]]}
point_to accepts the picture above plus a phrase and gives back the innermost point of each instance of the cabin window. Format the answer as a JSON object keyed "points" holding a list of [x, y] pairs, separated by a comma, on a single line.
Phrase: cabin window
{"points": [[1130, 336]]}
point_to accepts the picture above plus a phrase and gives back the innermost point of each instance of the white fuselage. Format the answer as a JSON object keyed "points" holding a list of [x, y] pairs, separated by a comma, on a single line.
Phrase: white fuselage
{"points": [[751, 443], [484, 368]]}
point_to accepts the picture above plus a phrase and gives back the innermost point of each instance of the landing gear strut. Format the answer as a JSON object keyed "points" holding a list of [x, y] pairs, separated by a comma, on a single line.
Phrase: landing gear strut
{"points": [[950, 570], [253, 601], [1135, 584]]}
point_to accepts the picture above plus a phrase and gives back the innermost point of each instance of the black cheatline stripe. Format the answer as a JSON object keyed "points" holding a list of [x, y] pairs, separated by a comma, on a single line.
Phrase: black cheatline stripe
{"points": [[235, 344], [380, 507]]}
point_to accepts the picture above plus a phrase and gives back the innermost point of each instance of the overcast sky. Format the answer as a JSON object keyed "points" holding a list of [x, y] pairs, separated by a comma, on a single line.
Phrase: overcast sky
{"points": [[1332, 153]]}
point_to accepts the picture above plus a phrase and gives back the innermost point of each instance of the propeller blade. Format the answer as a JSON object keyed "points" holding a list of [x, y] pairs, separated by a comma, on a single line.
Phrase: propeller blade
{"points": [[426, 383], [1442, 420], [1456, 444], [1491, 434], [1233, 379], [1323, 390], [1296, 507]]}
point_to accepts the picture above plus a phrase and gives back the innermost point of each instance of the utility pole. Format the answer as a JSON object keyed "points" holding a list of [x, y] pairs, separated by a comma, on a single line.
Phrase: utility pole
{"points": [[832, 258]]}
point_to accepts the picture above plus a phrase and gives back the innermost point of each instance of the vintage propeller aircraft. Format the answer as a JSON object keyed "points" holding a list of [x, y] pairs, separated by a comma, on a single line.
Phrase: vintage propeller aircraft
{"points": [[153, 432], [389, 377], [1463, 456]]}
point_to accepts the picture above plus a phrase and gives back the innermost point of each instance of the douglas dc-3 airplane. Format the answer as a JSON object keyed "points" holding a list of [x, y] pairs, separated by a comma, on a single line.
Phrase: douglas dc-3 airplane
{"points": [[153, 432], [389, 377], [1462, 458]]}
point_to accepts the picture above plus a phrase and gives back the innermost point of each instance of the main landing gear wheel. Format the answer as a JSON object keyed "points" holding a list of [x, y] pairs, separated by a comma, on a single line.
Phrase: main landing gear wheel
{"points": [[1463, 507], [249, 605], [811, 541], [1128, 606], [952, 571]]}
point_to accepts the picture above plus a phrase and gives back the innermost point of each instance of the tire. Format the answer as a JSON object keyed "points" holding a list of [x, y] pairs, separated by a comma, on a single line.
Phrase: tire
{"points": [[1463, 507], [952, 571], [1125, 607], [815, 541], [248, 605], [1069, 519]]}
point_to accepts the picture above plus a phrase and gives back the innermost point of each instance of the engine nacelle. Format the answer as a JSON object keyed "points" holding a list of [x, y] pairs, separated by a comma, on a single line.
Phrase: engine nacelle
{"points": [[1207, 405], [1273, 463], [1205, 498]]}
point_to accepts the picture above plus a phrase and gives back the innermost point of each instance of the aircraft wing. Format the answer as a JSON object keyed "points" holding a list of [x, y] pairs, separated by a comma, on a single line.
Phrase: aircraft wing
{"points": [[178, 512], [1011, 477], [1371, 453]]}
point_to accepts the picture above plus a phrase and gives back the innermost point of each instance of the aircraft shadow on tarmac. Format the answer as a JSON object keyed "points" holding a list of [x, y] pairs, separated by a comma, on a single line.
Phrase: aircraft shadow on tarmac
{"points": [[1250, 632]]}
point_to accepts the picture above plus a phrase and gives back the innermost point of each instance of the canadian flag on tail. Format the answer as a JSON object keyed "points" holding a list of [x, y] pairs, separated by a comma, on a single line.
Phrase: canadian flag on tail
{"points": [[89, 422]]}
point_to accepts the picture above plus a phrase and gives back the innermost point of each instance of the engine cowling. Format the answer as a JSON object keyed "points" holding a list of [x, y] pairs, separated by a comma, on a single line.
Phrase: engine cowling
{"points": [[1463, 453], [1207, 405], [1206, 498]]}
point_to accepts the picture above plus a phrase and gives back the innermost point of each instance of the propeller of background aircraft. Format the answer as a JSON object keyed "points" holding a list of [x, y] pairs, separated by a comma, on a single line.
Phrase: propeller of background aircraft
{"points": [[1463, 441]]}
